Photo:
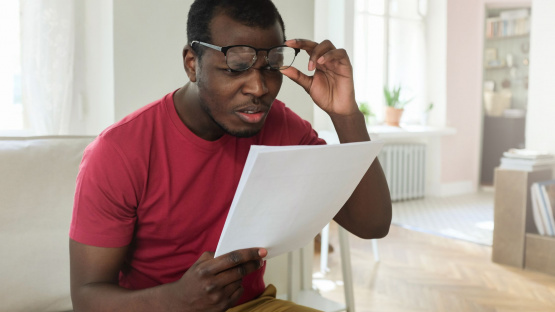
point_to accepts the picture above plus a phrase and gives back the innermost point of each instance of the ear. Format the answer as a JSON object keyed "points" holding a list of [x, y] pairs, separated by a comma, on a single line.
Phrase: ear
{"points": [[190, 63]]}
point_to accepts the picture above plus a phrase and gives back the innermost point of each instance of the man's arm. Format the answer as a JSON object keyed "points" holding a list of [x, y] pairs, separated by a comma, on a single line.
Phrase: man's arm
{"points": [[211, 284], [367, 213]]}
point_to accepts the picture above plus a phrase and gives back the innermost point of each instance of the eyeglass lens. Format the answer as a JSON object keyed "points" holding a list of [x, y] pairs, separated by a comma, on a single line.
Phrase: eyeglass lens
{"points": [[242, 58]]}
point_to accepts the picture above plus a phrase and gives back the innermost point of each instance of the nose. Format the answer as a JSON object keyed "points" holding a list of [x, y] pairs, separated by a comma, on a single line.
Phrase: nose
{"points": [[255, 82]]}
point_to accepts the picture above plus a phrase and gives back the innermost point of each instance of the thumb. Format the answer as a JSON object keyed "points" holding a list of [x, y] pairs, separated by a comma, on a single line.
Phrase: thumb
{"points": [[298, 77]]}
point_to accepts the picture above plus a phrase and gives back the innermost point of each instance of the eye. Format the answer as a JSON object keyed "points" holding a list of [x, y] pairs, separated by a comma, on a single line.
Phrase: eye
{"points": [[232, 72]]}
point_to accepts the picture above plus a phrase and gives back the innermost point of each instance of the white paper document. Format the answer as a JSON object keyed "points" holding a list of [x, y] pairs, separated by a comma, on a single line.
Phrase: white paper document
{"points": [[287, 194]]}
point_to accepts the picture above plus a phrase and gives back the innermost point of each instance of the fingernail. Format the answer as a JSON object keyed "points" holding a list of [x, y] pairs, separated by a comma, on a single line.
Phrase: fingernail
{"points": [[262, 252], [261, 263], [310, 65], [321, 60]]}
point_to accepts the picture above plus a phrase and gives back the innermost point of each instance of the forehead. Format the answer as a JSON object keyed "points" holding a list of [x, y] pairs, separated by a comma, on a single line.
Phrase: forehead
{"points": [[225, 31]]}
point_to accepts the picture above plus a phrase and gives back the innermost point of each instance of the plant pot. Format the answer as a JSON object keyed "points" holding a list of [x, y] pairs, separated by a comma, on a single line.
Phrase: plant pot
{"points": [[393, 116]]}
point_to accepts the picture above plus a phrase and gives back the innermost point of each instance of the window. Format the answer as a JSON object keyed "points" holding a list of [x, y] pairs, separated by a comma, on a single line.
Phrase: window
{"points": [[11, 110], [389, 49]]}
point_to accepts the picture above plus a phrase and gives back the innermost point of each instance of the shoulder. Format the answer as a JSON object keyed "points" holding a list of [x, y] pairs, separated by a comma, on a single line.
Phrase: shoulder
{"points": [[139, 120], [138, 129], [131, 138]]}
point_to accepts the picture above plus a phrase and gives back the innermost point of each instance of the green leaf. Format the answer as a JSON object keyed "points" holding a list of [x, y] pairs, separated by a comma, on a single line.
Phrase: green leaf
{"points": [[393, 97]]}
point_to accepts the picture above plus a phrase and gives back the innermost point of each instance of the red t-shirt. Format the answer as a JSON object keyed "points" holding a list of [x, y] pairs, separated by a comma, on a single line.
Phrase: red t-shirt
{"points": [[149, 182]]}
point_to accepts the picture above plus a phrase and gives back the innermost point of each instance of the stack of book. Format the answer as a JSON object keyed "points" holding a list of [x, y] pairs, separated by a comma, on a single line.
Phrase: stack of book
{"points": [[543, 204], [509, 23], [527, 160]]}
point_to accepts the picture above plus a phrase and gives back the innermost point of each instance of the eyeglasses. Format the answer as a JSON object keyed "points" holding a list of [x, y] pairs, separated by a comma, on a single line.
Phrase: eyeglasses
{"points": [[243, 57]]}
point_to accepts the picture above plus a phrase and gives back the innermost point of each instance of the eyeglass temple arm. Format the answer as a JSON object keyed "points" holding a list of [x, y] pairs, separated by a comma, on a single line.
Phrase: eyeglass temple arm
{"points": [[215, 47]]}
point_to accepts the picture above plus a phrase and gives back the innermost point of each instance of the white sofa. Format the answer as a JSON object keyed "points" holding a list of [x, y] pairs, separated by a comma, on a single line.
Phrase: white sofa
{"points": [[37, 183]]}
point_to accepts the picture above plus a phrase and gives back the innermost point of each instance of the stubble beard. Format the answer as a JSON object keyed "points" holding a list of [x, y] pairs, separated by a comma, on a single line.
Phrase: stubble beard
{"points": [[239, 134]]}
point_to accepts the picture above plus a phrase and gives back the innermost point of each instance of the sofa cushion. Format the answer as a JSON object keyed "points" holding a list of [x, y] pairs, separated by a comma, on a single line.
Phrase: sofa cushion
{"points": [[37, 184]]}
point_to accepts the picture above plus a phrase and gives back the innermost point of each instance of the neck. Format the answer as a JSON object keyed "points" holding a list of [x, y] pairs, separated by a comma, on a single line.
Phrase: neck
{"points": [[188, 106]]}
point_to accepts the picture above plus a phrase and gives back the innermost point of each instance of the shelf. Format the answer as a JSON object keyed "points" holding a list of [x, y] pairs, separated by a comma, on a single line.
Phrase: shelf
{"points": [[496, 67], [507, 37], [540, 253], [513, 243]]}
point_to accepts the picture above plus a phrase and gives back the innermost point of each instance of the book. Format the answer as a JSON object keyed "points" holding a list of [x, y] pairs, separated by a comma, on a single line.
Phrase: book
{"points": [[527, 164], [548, 194], [541, 226], [544, 214], [527, 154], [543, 206]]}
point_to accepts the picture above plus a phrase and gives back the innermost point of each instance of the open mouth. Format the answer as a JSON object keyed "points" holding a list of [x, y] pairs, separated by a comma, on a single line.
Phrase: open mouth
{"points": [[251, 114]]}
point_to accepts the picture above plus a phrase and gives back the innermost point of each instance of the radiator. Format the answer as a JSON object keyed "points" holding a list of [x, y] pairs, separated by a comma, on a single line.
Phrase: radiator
{"points": [[404, 166]]}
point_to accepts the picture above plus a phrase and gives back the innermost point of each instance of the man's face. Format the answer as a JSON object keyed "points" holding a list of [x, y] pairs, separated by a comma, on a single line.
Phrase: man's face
{"points": [[237, 102]]}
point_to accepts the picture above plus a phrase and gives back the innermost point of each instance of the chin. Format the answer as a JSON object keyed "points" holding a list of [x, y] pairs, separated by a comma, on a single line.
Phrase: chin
{"points": [[247, 133], [241, 131]]}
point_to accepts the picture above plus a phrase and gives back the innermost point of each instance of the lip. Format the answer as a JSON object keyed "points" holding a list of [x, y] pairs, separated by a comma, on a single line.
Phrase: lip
{"points": [[251, 114]]}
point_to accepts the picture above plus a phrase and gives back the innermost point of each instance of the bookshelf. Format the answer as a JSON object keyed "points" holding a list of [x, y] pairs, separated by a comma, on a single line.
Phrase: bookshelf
{"points": [[516, 241], [506, 52], [505, 84], [514, 25]]}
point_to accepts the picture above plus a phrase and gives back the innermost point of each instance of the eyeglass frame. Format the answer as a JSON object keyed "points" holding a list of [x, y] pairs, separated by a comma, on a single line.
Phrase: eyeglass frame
{"points": [[226, 48]]}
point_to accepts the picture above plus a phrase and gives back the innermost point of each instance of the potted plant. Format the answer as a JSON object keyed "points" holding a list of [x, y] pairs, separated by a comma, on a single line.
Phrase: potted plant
{"points": [[394, 105], [366, 111]]}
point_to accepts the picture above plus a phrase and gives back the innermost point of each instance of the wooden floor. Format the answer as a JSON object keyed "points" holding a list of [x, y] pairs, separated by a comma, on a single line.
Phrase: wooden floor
{"points": [[423, 272]]}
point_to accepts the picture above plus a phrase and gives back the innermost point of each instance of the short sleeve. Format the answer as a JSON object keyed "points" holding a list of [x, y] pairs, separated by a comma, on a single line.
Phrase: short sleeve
{"points": [[104, 210]]}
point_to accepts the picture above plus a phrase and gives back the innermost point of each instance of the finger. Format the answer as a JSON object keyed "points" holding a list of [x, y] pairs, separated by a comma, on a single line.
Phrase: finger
{"points": [[206, 256], [237, 273], [233, 259], [306, 45], [224, 297], [303, 44], [301, 79], [320, 50], [233, 292], [336, 61], [237, 293]]}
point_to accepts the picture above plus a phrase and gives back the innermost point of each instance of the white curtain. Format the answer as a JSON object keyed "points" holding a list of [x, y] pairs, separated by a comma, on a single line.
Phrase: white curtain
{"points": [[48, 53]]}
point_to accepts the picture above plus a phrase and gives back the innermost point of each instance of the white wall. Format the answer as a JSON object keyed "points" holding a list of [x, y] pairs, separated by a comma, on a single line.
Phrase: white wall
{"points": [[460, 153], [540, 125], [97, 96], [149, 37], [298, 17]]}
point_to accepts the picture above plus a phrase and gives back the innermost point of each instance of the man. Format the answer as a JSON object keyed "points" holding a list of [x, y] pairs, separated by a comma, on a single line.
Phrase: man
{"points": [[154, 189]]}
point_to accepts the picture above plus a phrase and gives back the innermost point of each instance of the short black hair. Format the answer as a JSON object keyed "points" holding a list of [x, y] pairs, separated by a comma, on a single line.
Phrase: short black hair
{"points": [[252, 13]]}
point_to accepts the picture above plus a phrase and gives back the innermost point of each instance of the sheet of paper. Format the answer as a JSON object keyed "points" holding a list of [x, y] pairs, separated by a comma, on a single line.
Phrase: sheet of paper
{"points": [[287, 194]]}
